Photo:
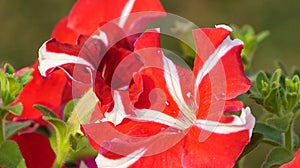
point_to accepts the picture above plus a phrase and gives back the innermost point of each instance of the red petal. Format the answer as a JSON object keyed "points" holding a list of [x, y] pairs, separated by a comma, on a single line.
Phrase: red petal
{"points": [[64, 34], [228, 69], [219, 150], [169, 158], [294, 163], [36, 150], [87, 14], [46, 91], [207, 41]]}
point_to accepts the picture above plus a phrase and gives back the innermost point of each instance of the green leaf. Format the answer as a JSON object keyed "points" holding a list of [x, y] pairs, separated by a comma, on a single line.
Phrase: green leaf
{"points": [[69, 108], [292, 100], [3, 86], [277, 157], [262, 83], [276, 76], [25, 77], [271, 134], [82, 111], [282, 123], [9, 69], [273, 101], [10, 88], [45, 111], [60, 132], [10, 155], [77, 141], [11, 128], [16, 109]]}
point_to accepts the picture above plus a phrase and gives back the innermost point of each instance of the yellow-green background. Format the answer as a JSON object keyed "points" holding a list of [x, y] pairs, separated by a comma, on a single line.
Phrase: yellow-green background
{"points": [[26, 24]]}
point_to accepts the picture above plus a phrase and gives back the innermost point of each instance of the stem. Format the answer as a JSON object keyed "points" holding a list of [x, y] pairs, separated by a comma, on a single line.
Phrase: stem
{"points": [[289, 137], [61, 155]]}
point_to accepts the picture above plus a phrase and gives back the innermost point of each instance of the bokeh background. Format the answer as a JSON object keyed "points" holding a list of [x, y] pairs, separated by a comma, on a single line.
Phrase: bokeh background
{"points": [[25, 25]]}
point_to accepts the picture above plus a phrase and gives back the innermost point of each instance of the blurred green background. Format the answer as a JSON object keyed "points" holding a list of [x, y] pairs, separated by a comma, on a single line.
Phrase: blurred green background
{"points": [[25, 25]]}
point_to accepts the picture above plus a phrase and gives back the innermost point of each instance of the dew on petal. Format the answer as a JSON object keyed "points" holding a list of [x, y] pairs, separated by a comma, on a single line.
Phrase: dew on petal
{"points": [[189, 94]]}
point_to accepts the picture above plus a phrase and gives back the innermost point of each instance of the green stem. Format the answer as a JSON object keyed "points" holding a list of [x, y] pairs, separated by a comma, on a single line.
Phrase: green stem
{"points": [[61, 155], [289, 137]]}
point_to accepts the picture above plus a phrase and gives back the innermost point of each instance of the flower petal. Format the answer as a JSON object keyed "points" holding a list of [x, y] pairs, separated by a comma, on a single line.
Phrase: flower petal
{"points": [[124, 162], [64, 34], [53, 54], [224, 145], [35, 149], [213, 46], [85, 17], [245, 122], [47, 91]]}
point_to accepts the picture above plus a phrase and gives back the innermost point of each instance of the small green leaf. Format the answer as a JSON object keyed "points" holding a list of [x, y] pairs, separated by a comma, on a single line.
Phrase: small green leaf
{"points": [[60, 132], [271, 134], [69, 108], [273, 101], [77, 141], [292, 100], [10, 88], [262, 83], [11, 128], [25, 77], [45, 111], [277, 157], [16, 109], [9, 69], [276, 76], [10, 155], [82, 111], [73, 142], [283, 123]]}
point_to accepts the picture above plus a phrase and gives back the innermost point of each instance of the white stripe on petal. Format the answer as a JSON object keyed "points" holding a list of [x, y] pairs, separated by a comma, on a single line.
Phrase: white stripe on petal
{"points": [[158, 117], [224, 27], [117, 115], [103, 162], [125, 13], [245, 121], [49, 60], [213, 59], [101, 36], [174, 86]]}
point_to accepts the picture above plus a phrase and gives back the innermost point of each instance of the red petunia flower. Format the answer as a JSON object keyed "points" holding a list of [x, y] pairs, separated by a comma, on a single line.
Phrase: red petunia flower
{"points": [[294, 163], [151, 111]]}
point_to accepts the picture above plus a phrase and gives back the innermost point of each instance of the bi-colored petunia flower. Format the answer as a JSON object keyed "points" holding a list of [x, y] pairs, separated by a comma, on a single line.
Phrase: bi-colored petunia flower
{"points": [[54, 90], [153, 112]]}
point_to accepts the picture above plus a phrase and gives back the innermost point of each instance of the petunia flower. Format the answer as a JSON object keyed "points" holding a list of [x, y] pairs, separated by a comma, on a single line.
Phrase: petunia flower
{"points": [[54, 90], [294, 163], [153, 112]]}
